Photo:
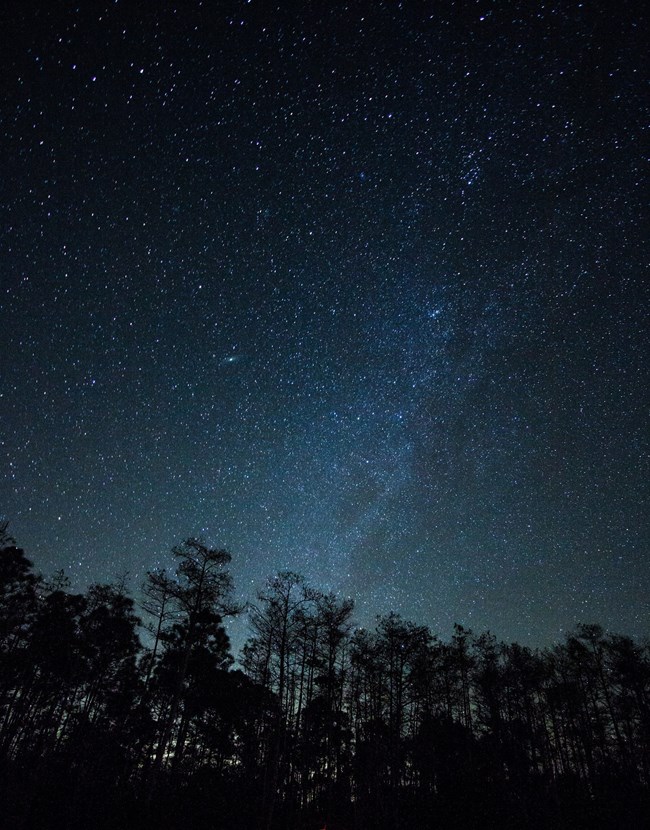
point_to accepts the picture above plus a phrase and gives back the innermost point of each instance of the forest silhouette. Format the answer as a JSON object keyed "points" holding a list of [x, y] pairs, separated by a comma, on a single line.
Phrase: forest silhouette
{"points": [[123, 712]]}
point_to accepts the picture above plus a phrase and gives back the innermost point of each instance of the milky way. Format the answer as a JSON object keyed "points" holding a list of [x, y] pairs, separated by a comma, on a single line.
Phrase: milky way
{"points": [[356, 291]]}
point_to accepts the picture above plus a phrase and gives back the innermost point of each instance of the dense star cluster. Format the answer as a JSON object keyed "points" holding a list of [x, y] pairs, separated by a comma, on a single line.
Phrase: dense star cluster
{"points": [[351, 289]]}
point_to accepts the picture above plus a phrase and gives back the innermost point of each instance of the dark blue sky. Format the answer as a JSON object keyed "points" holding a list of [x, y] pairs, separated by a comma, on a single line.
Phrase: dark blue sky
{"points": [[356, 291]]}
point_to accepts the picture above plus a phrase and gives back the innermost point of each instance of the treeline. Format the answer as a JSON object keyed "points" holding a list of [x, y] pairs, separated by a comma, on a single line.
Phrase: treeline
{"points": [[123, 714]]}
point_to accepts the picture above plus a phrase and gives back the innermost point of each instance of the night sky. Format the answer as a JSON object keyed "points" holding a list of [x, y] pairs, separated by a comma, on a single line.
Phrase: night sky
{"points": [[351, 289]]}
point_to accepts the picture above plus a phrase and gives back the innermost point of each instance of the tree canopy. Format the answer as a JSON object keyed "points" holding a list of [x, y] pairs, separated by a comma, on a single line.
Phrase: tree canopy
{"points": [[131, 712]]}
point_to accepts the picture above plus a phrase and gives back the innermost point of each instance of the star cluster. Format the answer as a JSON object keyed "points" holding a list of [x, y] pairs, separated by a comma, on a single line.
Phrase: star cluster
{"points": [[352, 289]]}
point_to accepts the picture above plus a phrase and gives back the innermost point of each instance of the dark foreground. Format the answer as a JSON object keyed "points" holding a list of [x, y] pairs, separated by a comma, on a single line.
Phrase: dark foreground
{"points": [[326, 725], [59, 799]]}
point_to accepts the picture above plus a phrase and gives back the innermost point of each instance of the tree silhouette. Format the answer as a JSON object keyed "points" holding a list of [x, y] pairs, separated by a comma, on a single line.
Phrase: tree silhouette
{"points": [[389, 728], [200, 597]]}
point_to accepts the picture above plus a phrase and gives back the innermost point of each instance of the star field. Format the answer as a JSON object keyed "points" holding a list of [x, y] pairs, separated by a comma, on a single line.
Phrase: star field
{"points": [[356, 290]]}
